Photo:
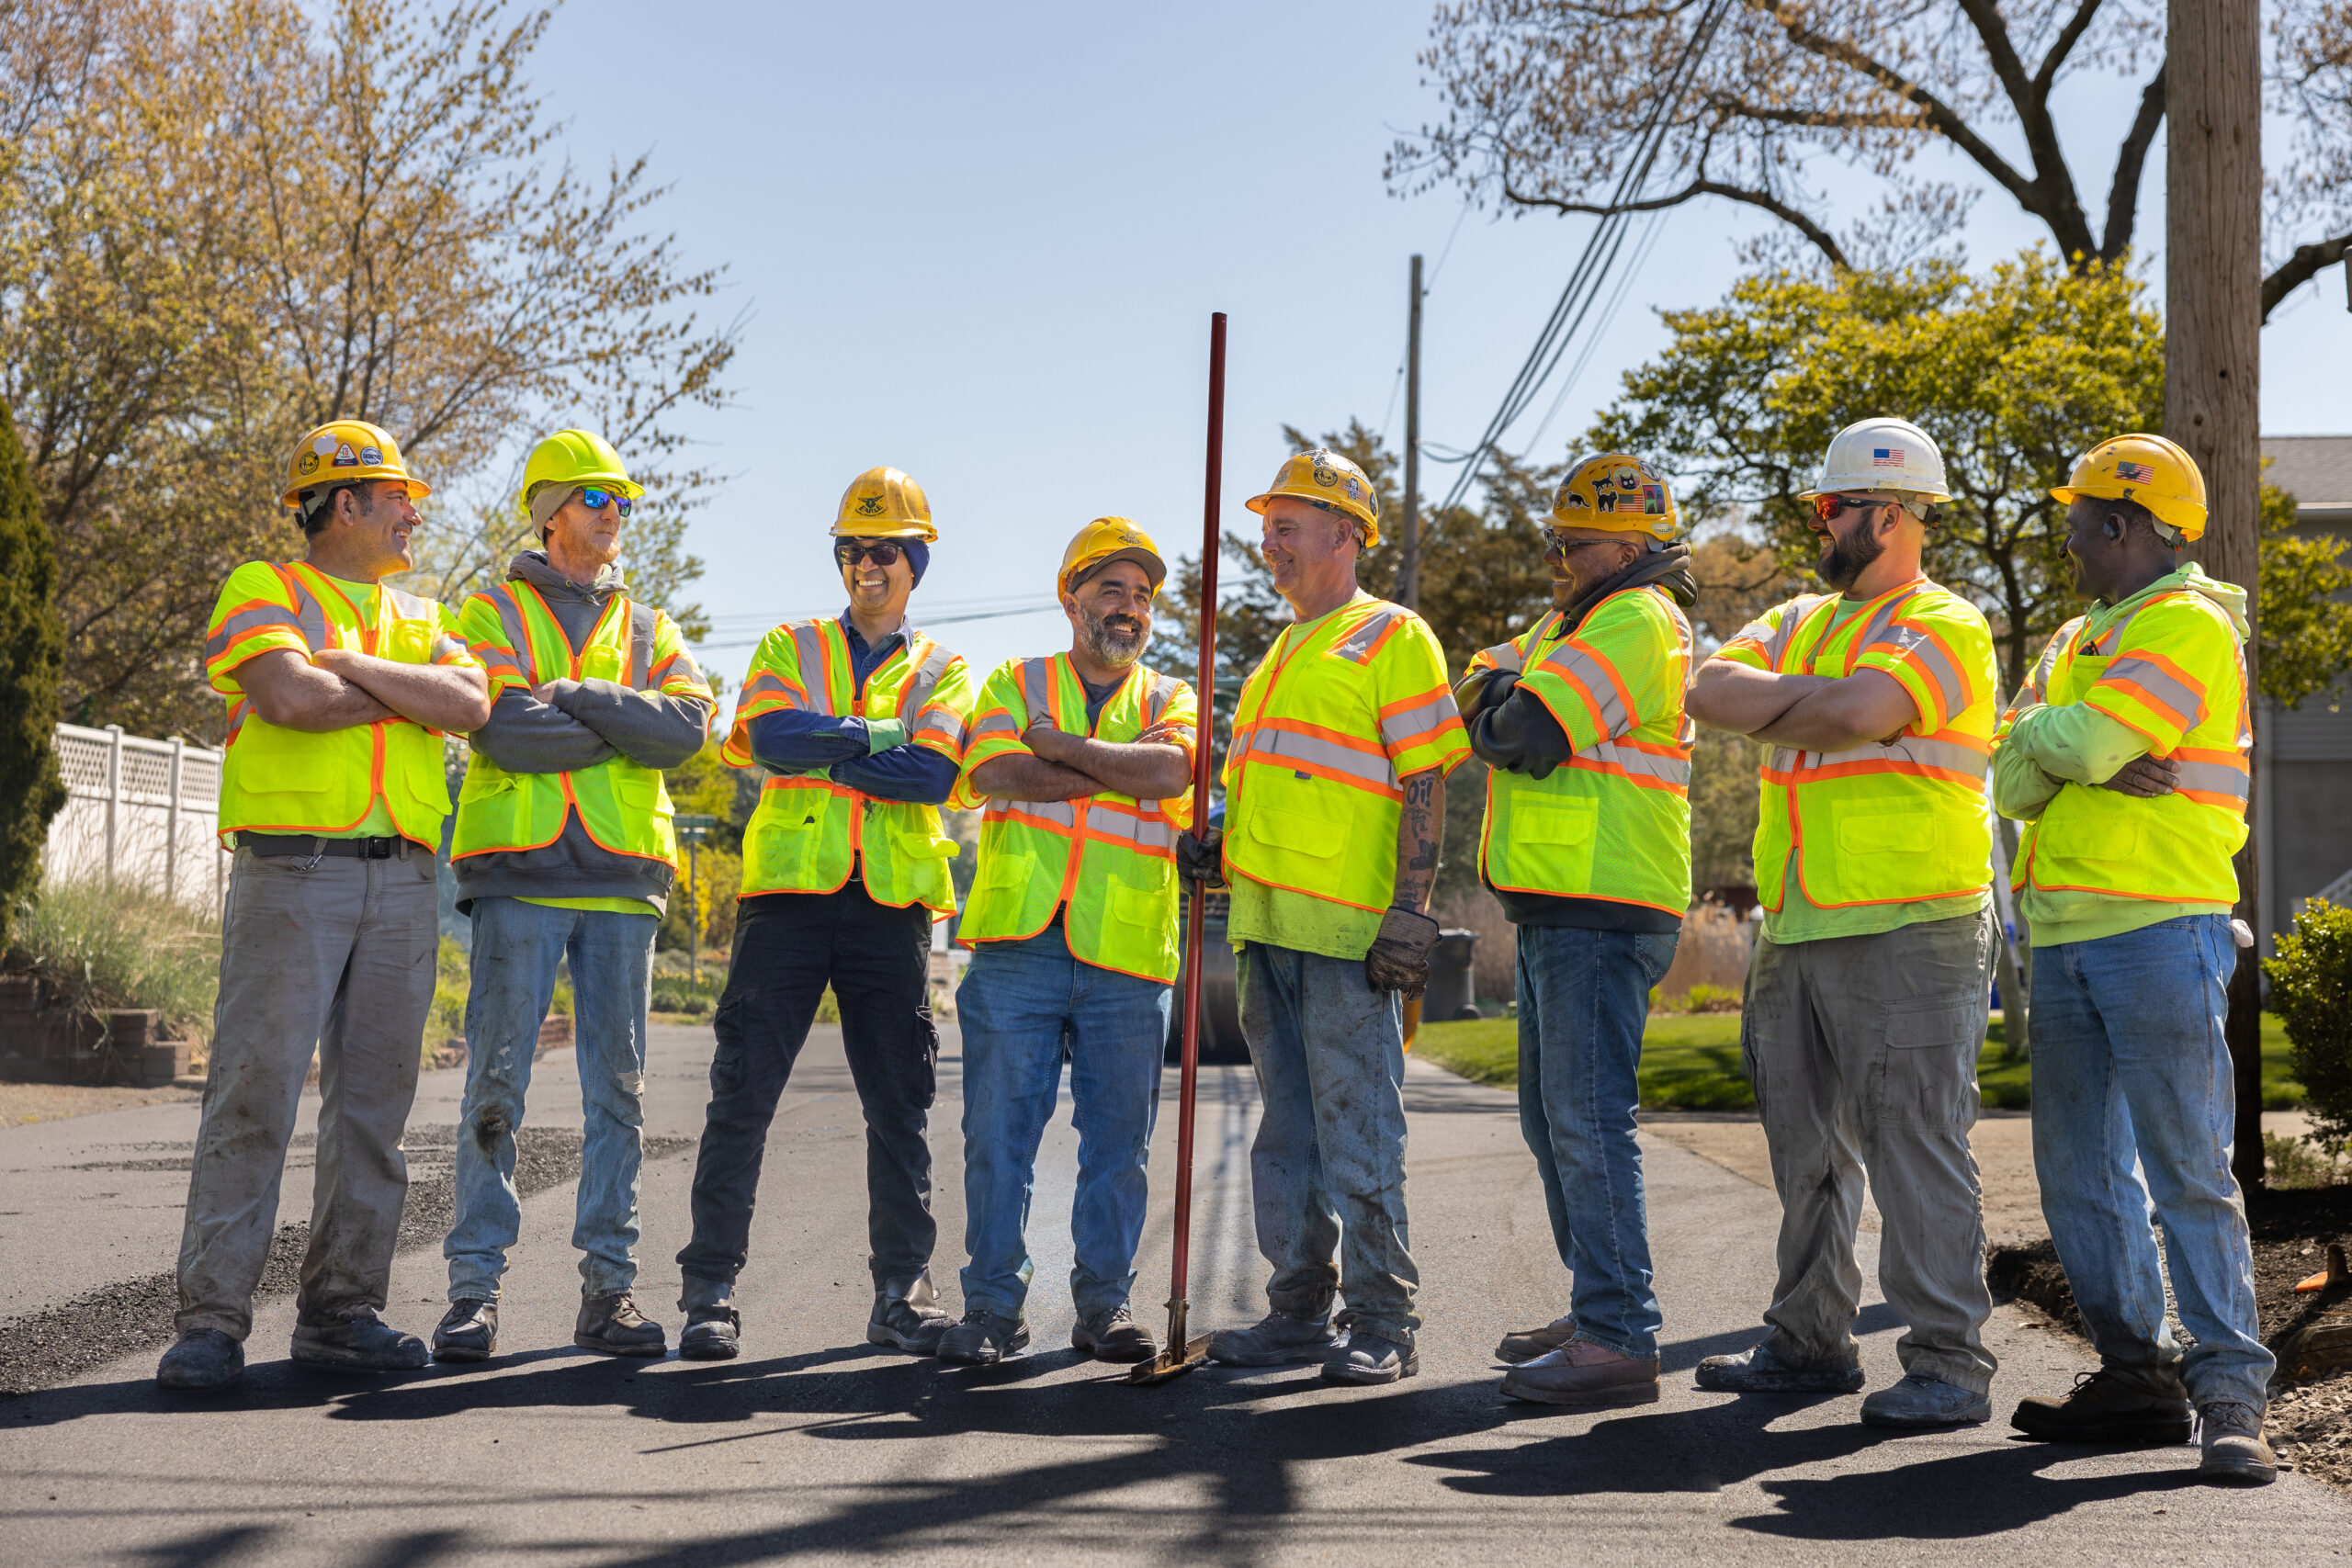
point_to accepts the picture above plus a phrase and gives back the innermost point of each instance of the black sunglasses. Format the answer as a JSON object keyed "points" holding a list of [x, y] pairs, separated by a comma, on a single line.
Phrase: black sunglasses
{"points": [[881, 552]]}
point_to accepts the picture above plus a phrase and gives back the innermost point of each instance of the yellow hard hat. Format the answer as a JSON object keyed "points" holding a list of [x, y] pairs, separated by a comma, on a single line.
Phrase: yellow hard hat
{"points": [[1616, 493], [885, 503], [1330, 481], [575, 457], [2144, 468], [1107, 539], [345, 451]]}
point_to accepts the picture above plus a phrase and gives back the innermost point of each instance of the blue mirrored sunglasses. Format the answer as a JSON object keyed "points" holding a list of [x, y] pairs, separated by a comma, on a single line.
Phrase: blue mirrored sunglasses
{"points": [[598, 500]]}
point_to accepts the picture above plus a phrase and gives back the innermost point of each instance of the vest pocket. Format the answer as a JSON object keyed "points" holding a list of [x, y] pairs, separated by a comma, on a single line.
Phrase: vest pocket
{"points": [[1146, 907], [1549, 841], [1295, 832], [1002, 871], [1886, 834], [2104, 835]]}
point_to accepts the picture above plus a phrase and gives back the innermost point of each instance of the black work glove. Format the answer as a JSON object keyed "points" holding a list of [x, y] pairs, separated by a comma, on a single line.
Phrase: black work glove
{"points": [[1200, 863], [1480, 690], [1399, 959]]}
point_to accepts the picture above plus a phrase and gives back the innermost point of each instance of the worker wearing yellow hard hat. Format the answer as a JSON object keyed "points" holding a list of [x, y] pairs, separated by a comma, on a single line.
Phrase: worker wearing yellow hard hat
{"points": [[1083, 762], [1873, 864], [339, 690], [1335, 807], [563, 850], [1586, 845], [2125, 757], [860, 721]]}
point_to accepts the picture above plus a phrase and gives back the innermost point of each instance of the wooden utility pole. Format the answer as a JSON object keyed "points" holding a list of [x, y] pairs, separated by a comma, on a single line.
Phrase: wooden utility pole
{"points": [[1408, 568], [2213, 378]]}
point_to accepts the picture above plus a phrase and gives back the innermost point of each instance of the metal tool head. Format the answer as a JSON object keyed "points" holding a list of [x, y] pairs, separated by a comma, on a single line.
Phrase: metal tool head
{"points": [[1172, 1362]]}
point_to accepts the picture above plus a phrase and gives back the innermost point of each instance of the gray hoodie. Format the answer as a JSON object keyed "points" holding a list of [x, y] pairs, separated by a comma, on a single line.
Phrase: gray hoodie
{"points": [[581, 724]]}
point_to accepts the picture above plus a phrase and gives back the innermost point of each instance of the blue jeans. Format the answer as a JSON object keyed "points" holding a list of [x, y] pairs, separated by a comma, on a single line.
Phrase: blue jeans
{"points": [[517, 949], [2129, 1063], [1584, 998], [1326, 1170], [1023, 1007]]}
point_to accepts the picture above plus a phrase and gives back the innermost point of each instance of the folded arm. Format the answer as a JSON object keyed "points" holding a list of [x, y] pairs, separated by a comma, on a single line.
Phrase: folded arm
{"points": [[288, 690], [454, 698], [1150, 767], [654, 729], [525, 735]]}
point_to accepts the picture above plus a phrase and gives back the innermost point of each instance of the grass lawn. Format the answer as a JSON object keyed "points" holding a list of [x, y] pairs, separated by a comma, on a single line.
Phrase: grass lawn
{"points": [[1692, 1062]]}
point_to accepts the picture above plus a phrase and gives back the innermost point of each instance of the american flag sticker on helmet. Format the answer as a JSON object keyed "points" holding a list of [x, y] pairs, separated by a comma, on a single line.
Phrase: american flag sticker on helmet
{"points": [[1886, 457], [2135, 473]]}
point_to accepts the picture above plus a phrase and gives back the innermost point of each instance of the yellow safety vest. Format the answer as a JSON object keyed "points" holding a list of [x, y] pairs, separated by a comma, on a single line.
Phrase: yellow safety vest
{"points": [[1613, 822], [1876, 824], [1111, 858], [1312, 800], [2181, 672], [296, 781], [624, 808], [810, 833]]}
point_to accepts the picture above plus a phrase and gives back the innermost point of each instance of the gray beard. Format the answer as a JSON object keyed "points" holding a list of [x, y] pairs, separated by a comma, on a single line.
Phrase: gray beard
{"points": [[1109, 649]]}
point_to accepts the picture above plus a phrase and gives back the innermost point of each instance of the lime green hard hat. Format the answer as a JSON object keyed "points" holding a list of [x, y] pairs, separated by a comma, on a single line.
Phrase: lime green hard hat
{"points": [[575, 457]]}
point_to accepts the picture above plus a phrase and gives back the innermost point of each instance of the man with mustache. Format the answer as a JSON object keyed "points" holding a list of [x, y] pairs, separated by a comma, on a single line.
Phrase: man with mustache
{"points": [[2125, 757], [859, 720], [1588, 846], [1868, 991], [1335, 806], [339, 690], [1084, 762]]}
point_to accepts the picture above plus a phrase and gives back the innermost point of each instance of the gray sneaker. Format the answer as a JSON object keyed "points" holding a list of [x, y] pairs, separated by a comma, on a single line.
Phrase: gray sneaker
{"points": [[983, 1338], [1761, 1370], [359, 1342], [1368, 1358], [1274, 1340], [1922, 1401], [203, 1362], [2235, 1454]]}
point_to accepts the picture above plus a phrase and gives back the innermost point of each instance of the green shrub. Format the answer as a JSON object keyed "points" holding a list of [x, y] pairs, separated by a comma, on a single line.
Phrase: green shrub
{"points": [[32, 647], [1712, 998], [106, 947], [452, 976], [679, 993], [2298, 1162], [2311, 991]]}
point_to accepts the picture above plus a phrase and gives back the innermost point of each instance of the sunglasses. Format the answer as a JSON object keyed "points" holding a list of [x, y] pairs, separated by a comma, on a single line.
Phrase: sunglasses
{"points": [[598, 500], [1560, 545], [1829, 508], [881, 552]]}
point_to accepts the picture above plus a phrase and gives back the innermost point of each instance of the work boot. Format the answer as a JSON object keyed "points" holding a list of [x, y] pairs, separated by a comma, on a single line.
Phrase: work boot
{"points": [[1761, 1370], [202, 1362], [983, 1338], [910, 1318], [1114, 1336], [1274, 1340], [2235, 1454], [613, 1326], [1580, 1373], [713, 1325], [1367, 1357], [2103, 1407], [1923, 1401], [358, 1341], [469, 1332], [1524, 1344]]}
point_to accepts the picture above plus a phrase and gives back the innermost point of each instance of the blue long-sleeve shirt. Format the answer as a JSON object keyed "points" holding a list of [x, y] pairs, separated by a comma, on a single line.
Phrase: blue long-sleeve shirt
{"points": [[795, 741]]}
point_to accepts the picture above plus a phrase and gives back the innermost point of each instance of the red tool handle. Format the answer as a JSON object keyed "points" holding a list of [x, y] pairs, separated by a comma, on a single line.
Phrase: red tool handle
{"points": [[1196, 917]]}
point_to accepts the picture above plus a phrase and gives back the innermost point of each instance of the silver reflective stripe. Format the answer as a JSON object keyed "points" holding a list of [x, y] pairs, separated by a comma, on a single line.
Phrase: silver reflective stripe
{"points": [[2161, 685], [997, 724], [1143, 833], [1038, 690], [2213, 778], [1062, 814], [643, 626], [1419, 719], [809, 649], [1289, 745], [1916, 749], [1572, 661], [1775, 640], [2036, 688], [1642, 764], [1358, 644], [1915, 646], [246, 621], [925, 680], [310, 616], [518, 630], [1157, 694]]}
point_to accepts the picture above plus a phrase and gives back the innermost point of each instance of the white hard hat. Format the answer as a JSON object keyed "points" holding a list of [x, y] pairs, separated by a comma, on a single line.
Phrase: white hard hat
{"points": [[1882, 453]]}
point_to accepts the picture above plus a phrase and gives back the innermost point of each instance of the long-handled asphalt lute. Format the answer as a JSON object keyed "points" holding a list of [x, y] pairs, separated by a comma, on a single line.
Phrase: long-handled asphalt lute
{"points": [[1178, 1353]]}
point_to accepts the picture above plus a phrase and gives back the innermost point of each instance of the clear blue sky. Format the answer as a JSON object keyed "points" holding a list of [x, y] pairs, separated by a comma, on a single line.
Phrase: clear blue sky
{"points": [[982, 244]]}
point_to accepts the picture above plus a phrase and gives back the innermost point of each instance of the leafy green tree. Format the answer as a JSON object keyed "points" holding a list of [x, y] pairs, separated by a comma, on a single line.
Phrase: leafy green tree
{"points": [[32, 647], [2306, 624]]}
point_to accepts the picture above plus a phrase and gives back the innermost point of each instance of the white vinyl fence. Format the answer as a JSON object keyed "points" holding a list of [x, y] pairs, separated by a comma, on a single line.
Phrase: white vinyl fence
{"points": [[138, 812]]}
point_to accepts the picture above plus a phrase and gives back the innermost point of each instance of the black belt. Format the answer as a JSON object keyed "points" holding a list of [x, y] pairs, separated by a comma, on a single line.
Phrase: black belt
{"points": [[313, 849]]}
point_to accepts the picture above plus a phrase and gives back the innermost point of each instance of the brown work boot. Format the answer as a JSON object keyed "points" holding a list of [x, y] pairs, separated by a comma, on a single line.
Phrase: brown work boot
{"points": [[1521, 1345], [1114, 1336], [613, 1325], [2235, 1454], [2108, 1406], [1580, 1373]]}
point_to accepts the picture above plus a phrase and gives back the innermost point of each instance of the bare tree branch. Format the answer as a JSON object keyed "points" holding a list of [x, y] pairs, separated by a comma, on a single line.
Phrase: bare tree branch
{"points": [[2123, 197], [1820, 237], [2298, 269]]}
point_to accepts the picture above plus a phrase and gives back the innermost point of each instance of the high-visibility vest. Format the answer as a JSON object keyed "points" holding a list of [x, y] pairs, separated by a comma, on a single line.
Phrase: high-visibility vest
{"points": [[624, 809], [294, 781], [1312, 798], [2172, 668], [1613, 822], [1111, 858], [1873, 824], [810, 833]]}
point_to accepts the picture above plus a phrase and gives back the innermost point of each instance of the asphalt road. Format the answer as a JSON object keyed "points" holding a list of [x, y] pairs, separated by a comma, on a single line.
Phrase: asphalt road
{"points": [[815, 1446]]}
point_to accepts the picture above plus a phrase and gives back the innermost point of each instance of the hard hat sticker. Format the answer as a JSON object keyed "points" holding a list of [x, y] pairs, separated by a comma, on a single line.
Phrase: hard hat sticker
{"points": [[1628, 481], [1607, 499], [371, 457], [869, 507], [344, 458], [1886, 457], [1576, 503], [309, 465], [324, 445], [1327, 478], [2136, 473], [1654, 498]]}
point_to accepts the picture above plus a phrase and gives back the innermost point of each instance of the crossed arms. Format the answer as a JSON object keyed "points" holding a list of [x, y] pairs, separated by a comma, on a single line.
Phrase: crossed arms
{"points": [[1810, 713], [1153, 766], [339, 688]]}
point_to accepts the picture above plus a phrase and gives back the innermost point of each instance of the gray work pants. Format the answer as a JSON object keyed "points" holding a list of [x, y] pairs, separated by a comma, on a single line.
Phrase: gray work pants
{"points": [[339, 957], [1863, 1051]]}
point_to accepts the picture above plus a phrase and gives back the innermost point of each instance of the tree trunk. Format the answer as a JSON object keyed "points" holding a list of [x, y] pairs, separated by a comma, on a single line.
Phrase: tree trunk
{"points": [[2213, 372]]}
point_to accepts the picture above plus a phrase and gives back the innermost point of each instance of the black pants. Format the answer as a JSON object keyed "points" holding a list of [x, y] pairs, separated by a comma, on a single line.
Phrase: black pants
{"points": [[788, 946]]}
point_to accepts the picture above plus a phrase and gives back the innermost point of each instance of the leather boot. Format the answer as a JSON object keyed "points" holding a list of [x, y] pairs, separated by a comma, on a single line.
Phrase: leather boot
{"points": [[907, 1314], [613, 1325], [713, 1325]]}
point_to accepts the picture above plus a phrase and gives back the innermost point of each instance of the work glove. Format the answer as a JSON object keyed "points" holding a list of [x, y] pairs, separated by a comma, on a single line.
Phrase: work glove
{"points": [[1201, 862], [881, 733], [1399, 959], [1481, 689]]}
